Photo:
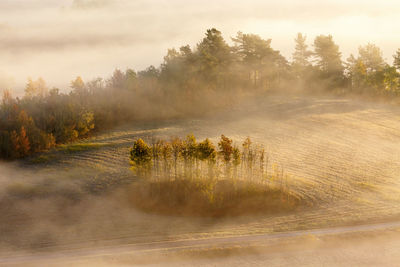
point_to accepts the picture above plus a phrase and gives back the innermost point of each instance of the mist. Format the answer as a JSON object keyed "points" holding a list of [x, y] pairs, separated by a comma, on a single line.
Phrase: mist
{"points": [[61, 40], [198, 131], [56, 206]]}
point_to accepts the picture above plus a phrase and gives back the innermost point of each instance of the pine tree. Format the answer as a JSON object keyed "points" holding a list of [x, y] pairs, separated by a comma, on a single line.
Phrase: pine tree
{"points": [[328, 60], [396, 61], [301, 53]]}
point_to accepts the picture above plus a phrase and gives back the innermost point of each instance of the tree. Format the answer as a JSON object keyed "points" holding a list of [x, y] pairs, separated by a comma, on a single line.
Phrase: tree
{"points": [[301, 53], [166, 153], [264, 65], [151, 72], [36, 88], [225, 148], [148, 78], [255, 53], [131, 79], [357, 74], [189, 152], [117, 80], [7, 105], [328, 60], [371, 56], [396, 61], [41, 87], [391, 80], [6, 145], [189, 147], [214, 55], [177, 146], [96, 84], [371, 67], [78, 85], [7, 98], [206, 151], [24, 144], [85, 123], [173, 68], [15, 145], [141, 156], [236, 159], [20, 143], [252, 49]]}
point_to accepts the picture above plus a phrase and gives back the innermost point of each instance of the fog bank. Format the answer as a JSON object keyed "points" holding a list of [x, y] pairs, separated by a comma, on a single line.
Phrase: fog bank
{"points": [[59, 40]]}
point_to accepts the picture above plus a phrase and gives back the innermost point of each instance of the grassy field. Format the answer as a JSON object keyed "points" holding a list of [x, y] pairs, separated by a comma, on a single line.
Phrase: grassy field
{"points": [[341, 154], [212, 198]]}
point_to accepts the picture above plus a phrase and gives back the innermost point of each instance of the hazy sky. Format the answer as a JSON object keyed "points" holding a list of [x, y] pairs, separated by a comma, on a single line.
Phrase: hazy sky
{"points": [[60, 39]]}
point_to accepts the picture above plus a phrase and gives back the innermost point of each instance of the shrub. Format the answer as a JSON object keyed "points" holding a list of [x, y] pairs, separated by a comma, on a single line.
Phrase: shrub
{"points": [[141, 156]]}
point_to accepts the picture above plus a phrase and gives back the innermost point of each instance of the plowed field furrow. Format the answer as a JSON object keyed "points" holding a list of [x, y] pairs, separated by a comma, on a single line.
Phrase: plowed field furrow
{"points": [[331, 144], [342, 154]]}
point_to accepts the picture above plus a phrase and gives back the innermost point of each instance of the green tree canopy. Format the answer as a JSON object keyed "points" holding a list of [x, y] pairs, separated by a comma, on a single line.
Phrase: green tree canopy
{"points": [[371, 56], [301, 54], [328, 59], [396, 59], [214, 54]]}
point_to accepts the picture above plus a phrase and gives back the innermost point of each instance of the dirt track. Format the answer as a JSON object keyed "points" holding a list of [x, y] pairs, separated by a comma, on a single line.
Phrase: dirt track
{"points": [[114, 254]]}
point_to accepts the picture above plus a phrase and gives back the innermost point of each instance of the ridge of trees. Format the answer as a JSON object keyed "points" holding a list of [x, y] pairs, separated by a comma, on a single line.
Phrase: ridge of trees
{"points": [[190, 81]]}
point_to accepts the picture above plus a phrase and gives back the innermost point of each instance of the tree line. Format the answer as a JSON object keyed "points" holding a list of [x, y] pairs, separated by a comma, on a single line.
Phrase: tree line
{"points": [[190, 81], [188, 158], [189, 177]]}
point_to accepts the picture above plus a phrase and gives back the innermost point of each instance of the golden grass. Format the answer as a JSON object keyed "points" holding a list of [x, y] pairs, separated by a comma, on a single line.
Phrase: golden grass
{"points": [[41, 159], [24, 190], [79, 147], [211, 198]]}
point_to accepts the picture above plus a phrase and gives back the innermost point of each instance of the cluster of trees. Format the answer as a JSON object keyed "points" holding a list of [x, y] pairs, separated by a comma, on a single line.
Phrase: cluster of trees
{"points": [[188, 159], [45, 117], [190, 81], [213, 64], [369, 73], [366, 73], [40, 120], [171, 159], [187, 177], [251, 64]]}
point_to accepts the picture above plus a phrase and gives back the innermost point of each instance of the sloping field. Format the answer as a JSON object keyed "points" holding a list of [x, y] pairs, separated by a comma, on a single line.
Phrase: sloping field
{"points": [[343, 154]]}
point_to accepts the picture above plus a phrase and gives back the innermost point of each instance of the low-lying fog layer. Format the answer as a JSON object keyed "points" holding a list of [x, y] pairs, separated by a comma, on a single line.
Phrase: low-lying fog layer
{"points": [[59, 40], [374, 248], [342, 154]]}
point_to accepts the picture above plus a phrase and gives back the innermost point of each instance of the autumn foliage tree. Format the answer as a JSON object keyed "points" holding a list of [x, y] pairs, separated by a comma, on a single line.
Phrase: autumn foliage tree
{"points": [[141, 156], [191, 81], [185, 159]]}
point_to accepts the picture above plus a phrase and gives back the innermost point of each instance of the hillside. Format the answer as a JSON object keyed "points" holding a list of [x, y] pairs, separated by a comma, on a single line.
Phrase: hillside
{"points": [[343, 154]]}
